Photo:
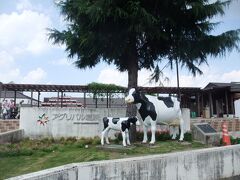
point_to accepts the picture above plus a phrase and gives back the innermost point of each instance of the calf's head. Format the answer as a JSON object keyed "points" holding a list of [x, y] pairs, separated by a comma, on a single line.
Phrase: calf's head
{"points": [[133, 96], [133, 120]]}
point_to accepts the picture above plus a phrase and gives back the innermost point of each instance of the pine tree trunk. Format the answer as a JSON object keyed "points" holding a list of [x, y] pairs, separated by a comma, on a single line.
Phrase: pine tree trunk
{"points": [[132, 83]]}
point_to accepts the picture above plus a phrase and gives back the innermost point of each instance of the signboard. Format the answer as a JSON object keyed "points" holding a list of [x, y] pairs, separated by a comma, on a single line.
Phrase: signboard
{"points": [[206, 128], [55, 122]]}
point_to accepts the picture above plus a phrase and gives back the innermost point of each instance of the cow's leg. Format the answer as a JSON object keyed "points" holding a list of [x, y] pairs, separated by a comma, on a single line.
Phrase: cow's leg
{"points": [[127, 137], [124, 138], [104, 135], [153, 129], [182, 128], [174, 131], [145, 139]]}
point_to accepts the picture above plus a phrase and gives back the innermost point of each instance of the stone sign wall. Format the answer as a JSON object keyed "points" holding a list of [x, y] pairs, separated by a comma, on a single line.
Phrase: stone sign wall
{"points": [[65, 122], [71, 122]]}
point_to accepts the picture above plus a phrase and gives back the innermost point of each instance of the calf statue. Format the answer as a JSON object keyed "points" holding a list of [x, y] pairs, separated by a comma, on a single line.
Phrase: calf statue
{"points": [[120, 124], [153, 110]]}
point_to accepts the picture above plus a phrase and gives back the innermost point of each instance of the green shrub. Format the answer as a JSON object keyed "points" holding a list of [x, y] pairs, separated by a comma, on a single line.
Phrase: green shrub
{"points": [[86, 140], [96, 141], [71, 139], [232, 140], [188, 137], [16, 152], [79, 144], [160, 136], [163, 136], [47, 149]]}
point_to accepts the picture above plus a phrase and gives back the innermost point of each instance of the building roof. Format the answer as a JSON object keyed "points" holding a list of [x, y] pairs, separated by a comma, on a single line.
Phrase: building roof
{"points": [[81, 88], [44, 87], [170, 90], [10, 94], [233, 86]]}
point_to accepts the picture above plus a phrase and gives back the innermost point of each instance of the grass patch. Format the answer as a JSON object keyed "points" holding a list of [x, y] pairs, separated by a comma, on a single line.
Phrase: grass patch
{"points": [[30, 156]]}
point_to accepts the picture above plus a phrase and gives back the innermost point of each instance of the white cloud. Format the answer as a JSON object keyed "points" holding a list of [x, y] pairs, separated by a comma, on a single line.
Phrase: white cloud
{"points": [[112, 76], [24, 32], [34, 76], [6, 60], [209, 76], [233, 76], [8, 71], [109, 75], [10, 75]]}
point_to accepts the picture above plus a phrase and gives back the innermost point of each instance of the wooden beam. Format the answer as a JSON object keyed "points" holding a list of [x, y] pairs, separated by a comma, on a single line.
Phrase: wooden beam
{"points": [[84, 99], [107, 99], [232, 104], [226, 101], [211, 104], [61, 99], [39, 99], [15, 97], [198, 105], [31, 98]]}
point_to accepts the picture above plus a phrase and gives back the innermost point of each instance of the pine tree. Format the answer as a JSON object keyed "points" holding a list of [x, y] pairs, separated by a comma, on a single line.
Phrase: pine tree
{"points": [[136, 34]]}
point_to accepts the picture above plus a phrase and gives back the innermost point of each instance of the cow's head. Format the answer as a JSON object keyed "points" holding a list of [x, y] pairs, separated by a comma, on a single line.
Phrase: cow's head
{"points": [[133, 96]]}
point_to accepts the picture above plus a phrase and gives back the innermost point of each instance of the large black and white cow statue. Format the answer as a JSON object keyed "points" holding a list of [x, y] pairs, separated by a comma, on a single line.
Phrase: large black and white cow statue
{"points": [[119, 124], [153, 110]]}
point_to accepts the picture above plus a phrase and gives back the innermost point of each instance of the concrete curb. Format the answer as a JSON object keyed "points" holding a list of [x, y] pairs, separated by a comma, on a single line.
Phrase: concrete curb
{"points": [[203, 164]]}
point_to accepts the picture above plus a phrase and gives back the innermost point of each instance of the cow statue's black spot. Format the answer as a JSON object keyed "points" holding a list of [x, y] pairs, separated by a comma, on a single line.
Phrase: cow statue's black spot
{"points": [[115, 120], [127, 123], [105, 122], [167, 101], [147, 109]]}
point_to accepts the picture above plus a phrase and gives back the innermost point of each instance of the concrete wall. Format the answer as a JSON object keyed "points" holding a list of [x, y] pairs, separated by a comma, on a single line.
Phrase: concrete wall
{"points": [[206, 164], [65, 122], [12, 136]]}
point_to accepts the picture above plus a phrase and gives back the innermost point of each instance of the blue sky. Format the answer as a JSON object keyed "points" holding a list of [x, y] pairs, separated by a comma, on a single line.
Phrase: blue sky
{"points": [[26, 56]]}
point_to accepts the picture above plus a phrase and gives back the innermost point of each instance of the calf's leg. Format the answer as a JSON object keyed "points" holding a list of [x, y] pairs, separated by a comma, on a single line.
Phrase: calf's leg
{"points": [[104, 135], [145, 139], [124, 138], [153, 129], [127, 137], [173, 131], [182, 128]]}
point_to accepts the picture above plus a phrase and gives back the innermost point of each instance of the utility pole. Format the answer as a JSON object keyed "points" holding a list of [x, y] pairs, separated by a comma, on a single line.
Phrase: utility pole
{"points": [[178, 88]]}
